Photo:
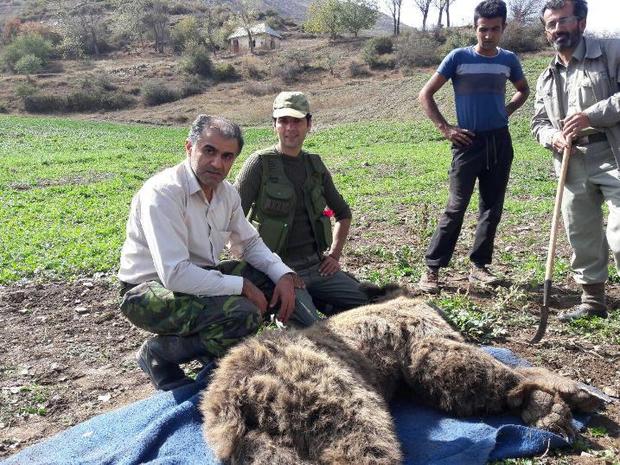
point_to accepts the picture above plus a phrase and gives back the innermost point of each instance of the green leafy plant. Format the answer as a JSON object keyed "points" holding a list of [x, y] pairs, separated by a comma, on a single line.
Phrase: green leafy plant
{"points": [[472, 322]]}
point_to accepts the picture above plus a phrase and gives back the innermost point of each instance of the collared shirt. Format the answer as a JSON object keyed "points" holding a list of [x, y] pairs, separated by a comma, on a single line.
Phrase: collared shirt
{"points": [[576, 97], [598, 73], [173, 232]]}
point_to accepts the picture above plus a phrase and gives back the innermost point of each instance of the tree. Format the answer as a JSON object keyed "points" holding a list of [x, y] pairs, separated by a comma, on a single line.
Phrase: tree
{"points": [[28, 45], [440, 4], [323, 18], [184, 32], [334, 17], [156, 18], [424, 6], [395, 6], [216, 25], [524, 11], [448, 4], [356, 15], [142, 17], [83, 23], [245, 13]]}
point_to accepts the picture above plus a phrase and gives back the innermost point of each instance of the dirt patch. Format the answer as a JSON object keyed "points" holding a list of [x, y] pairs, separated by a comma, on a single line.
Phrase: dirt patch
{"points": [[66, 355]]}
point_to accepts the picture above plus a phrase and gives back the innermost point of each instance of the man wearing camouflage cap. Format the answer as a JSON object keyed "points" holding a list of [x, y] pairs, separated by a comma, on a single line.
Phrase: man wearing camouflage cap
{"points": [[174, 284], [289, 196]]}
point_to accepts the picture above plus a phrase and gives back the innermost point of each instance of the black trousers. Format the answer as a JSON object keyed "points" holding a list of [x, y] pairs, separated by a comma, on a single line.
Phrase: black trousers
{"points": [[488, 159]]}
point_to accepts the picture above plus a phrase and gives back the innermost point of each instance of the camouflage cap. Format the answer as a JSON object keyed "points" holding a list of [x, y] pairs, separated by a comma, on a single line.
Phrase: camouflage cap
{"points": [[293, 104]]}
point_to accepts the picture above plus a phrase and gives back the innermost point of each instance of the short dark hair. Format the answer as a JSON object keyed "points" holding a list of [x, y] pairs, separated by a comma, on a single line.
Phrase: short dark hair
{"points": [[580, 7], [490, 9], [225, 127]]}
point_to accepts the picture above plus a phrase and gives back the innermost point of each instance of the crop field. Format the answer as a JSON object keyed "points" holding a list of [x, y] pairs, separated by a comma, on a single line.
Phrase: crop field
{"points": [[65, 186], [65, 190]]}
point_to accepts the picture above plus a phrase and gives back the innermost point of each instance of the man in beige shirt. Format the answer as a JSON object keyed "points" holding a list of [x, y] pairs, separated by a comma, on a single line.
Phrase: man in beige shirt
{"points": [[173, 282], [578, 97]]}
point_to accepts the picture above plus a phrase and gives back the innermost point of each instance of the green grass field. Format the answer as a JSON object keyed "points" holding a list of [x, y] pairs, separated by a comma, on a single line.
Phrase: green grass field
{"points": [[65, 186]]}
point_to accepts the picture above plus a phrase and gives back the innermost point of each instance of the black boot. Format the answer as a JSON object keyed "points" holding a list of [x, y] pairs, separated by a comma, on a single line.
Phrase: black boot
{"points": [[160, 356]]}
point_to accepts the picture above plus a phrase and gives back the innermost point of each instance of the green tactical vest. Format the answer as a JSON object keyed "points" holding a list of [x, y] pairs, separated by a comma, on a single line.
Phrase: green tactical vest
{"points": [[274, 209]]}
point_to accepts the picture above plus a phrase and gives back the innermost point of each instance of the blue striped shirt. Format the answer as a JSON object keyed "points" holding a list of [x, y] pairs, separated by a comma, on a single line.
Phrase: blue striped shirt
{"points": [[480, 86]]}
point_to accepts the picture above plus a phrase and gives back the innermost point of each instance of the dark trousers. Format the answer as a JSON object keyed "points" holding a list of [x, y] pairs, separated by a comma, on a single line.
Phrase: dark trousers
{"points": [[487, 159]]}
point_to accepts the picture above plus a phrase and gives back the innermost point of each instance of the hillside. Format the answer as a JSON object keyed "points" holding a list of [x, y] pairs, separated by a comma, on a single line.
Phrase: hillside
{"points": [[289, 9], [296, 9]]}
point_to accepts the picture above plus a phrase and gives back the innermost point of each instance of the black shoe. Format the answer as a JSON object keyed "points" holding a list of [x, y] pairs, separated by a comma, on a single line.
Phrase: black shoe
{"points": [[582, 311], [159, 357], [163, 374]]}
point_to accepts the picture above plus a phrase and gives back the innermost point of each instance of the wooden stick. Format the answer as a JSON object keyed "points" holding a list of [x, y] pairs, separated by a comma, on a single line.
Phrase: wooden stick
{"points": [[555, 221]]}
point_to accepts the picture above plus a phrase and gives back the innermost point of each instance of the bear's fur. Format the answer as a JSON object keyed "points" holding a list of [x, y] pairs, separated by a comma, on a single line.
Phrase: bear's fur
{"points": [[319, 395]]}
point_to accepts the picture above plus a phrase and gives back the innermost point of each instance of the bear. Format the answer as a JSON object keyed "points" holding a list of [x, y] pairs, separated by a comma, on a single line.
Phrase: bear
{"points": [[320, 395]]}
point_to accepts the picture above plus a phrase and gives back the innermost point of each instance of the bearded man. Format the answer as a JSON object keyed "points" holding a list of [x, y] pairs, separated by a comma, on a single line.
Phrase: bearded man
{"points": [[577, 99]]}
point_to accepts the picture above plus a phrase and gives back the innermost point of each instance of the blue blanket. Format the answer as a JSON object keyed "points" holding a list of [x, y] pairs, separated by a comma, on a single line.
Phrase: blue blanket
{"points": [[166, 429]]}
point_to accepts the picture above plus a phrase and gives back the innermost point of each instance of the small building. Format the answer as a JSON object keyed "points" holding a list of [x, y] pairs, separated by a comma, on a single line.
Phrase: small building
{"points": [[263, 37]]}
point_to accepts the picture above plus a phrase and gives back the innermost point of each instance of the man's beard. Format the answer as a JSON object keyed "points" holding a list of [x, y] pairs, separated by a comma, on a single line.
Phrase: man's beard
{"points": [[569, 40]]}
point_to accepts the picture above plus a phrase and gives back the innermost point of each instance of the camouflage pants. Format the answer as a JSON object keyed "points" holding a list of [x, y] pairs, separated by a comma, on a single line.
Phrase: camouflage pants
{"points": [[220, 321]]}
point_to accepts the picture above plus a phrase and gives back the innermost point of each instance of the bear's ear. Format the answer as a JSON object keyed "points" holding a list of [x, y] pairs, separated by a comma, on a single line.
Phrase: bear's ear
{"points": [[382, 293]]}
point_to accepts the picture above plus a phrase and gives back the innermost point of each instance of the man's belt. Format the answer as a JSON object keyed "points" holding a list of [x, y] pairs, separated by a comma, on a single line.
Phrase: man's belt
{"points": [[591, 139]]}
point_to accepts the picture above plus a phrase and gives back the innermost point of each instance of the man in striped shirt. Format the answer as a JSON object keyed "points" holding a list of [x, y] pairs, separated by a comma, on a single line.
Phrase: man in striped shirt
{"points": [[481, 144]]}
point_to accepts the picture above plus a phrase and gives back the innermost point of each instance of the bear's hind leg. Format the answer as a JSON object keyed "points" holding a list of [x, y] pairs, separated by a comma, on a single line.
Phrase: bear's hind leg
{"points": [[458, 378]]}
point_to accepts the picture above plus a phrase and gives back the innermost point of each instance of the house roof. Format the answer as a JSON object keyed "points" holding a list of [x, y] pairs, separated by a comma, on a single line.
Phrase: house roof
{"points": [[257, 29]]}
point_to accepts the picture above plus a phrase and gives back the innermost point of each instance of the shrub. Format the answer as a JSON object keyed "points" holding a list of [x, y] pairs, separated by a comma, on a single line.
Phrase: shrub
{"points": [[417, 49], [180, 9], [24, 89], [30, 44], [28, 64], [193, 85], [45, 31], [83, 101], [184, 32], [250, 69], [357, 69], [3, 108], [523, 38], [38, 103], [380, 45], [196, 61], [457, 38], [288, 72], [376, 61], [156, 93], [79, 101], [329, 62], [99, 83], [290, 65], [10, 30], [14, 27], [259, 89], [225, 72]]}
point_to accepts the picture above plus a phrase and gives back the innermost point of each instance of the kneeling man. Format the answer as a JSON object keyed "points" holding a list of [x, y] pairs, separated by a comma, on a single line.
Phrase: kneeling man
{"points": [[173, 282], [289, 195]]}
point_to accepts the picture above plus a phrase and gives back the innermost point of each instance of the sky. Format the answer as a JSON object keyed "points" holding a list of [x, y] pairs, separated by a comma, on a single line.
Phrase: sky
{"points": [[601, 14]]}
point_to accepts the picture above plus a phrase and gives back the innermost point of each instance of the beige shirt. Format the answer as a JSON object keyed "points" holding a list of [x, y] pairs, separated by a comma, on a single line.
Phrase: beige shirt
{"points": [[577, 96], [173, 232]]}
